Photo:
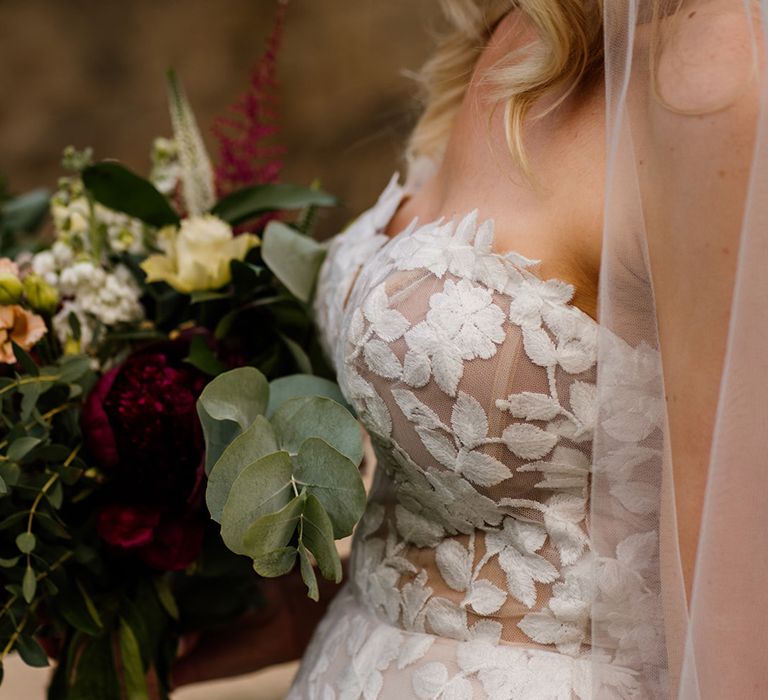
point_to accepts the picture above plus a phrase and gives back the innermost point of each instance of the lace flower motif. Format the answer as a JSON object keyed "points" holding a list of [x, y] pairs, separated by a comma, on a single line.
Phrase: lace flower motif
{"points": [[463, 323]]}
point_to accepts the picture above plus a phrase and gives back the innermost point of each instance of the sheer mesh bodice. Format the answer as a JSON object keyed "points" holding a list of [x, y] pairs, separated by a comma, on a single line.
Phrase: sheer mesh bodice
{"points": [[471, 572]]}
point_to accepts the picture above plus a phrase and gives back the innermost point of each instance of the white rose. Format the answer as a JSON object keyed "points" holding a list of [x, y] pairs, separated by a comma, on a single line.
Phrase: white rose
{"points": [[198, 254]]}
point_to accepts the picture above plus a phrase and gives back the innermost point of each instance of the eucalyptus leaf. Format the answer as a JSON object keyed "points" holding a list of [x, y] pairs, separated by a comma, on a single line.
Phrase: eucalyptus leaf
{"points": [[118, 188], [300, 357], [317, 537], [238, 395], [301, 385], [253, 201], [334, 480], [257, 441], [294, 258], [272, 532], [29, 584], [30, 393], [262, 487], [308, 573], [277, 563], [3, 487], [26, 542], [317, 416], [218, 434]]}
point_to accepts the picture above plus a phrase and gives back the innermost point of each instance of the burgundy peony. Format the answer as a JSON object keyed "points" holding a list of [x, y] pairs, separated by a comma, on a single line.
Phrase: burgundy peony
{"points": [[141, 427]]}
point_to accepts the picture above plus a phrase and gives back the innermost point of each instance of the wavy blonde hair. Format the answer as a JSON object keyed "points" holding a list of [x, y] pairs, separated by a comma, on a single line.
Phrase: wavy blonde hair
{"points": [[568, 49]]}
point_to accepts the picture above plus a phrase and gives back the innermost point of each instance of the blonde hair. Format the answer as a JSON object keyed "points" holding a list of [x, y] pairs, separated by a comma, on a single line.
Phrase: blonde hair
{"points": [[569, 47]]}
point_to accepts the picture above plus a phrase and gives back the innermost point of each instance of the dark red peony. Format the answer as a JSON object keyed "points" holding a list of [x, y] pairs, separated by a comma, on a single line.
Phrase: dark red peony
{"points": [[141, 427]]}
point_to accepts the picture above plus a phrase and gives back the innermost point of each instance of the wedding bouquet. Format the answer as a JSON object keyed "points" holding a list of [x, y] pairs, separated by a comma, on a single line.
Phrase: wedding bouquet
{"points": [[159, 375]]}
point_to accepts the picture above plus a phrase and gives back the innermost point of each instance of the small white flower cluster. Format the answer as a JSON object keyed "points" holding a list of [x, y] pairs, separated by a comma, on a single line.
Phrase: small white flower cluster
{"points": [[80, 265]]}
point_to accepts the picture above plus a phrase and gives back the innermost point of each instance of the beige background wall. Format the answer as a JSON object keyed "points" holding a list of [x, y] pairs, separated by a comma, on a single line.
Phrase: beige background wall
{"points": [[91, 72]]}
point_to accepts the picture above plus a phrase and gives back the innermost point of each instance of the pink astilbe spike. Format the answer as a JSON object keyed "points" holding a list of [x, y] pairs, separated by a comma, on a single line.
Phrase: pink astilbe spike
{"points": [[245, 156]]}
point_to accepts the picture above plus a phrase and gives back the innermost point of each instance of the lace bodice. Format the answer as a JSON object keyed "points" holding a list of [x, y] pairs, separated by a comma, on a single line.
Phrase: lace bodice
{"points": [[475, 379]]}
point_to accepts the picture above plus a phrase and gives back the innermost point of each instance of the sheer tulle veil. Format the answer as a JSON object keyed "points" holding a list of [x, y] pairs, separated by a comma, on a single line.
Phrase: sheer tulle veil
{"points": [[683, 353]]}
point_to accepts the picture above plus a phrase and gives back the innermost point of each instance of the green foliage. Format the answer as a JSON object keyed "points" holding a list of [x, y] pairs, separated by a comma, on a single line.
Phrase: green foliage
{"points": [[116, 187], [287, 483], [293, 258], [261, 199]]}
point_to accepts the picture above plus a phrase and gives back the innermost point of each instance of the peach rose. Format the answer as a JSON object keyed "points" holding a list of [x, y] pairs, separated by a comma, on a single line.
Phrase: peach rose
{"points": [[21, 327]]}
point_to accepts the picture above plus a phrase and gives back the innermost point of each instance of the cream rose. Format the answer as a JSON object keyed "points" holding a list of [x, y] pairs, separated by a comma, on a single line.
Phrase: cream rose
{"points": [[197, 255]]}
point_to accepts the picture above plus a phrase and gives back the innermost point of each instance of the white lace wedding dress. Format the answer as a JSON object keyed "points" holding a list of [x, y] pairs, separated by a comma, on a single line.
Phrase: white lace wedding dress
{"points": [[471, 573]]}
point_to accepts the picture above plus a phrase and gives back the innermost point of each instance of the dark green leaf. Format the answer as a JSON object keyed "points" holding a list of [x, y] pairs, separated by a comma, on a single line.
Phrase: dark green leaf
{"points": [[21, 447], [260, 199], [256, 442], [199, 297], [25, 359], [118, 188], [202, 357], [294, 258], [3, 487], [25, 212], [31, 652], [95, 673]]}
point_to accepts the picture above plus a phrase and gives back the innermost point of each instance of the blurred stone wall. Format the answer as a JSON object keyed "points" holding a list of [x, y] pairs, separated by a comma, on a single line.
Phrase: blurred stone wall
{"points": [[91, 72]]}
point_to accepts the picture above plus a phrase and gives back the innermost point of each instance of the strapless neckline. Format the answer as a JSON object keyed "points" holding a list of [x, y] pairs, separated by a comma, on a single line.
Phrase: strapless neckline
{"points": [[392, 198]]}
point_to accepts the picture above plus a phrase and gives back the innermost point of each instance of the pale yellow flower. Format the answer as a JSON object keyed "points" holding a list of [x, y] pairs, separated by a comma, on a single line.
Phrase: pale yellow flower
{"points": [[197, 255], [20, 326], [10, 284]]}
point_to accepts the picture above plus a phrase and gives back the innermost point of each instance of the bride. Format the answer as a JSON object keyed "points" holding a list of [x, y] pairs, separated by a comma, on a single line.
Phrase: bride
{"points": [[494, 321]]}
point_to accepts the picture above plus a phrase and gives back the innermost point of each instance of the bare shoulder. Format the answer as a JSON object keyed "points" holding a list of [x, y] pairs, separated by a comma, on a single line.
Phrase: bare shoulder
{"points": [[708, 59]]}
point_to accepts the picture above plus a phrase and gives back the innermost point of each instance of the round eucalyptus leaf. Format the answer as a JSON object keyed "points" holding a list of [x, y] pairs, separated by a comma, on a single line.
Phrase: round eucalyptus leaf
{"points": [[334, 480], [300, 385], [26, 542], [317, 416], [262, 487], [238, 395], [273, 531], [276, 563], [317, 537], [218, 434], [258, 440], [293, 258]]}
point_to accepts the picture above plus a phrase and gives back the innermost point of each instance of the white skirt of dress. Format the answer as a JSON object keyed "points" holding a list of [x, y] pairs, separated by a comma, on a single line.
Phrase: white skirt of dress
{"points": [[355, 654]]}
